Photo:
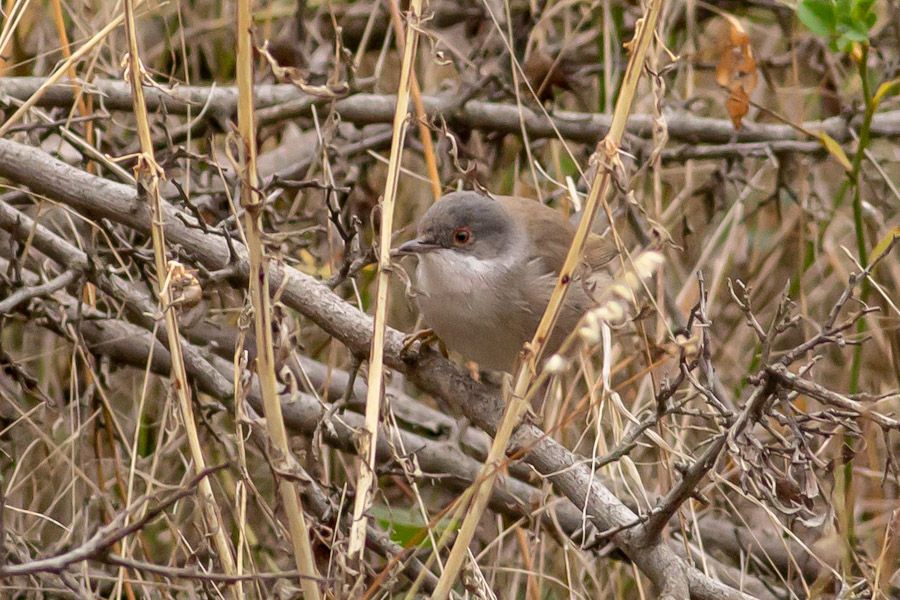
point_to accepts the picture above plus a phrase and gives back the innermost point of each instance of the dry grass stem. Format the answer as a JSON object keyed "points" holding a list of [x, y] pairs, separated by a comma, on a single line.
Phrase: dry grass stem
{"points": [[148, 174], [260, 299], [367, 443]]}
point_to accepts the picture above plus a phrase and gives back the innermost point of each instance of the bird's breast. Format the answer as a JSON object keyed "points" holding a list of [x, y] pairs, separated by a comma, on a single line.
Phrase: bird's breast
{"points": [[461, 288], [474, 306]]}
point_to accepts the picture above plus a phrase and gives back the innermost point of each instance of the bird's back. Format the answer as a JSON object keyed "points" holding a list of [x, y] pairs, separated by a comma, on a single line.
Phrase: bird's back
{"points": [[552, 234]]}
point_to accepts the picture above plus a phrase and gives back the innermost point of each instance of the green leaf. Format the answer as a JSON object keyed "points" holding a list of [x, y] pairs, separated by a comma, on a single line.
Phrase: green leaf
{"points": [[835, 150], [861, 18], [818, 16], [884, 244], [861, 10], [406, 526], [844, 8], [887, 88], [854, 35]]}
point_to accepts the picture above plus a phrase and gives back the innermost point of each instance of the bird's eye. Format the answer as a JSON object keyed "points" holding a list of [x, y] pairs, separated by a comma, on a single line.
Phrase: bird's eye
{"points": [[462, 235]]}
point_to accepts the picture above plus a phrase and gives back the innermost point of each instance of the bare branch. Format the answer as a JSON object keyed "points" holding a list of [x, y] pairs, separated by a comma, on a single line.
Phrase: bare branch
{"points": [[221, 103]]}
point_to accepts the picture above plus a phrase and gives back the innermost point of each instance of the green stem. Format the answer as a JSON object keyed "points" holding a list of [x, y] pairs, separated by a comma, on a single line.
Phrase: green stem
{"points": [[855, 178]]}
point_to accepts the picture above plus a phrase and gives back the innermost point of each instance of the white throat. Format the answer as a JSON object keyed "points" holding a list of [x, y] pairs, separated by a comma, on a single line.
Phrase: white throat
{"points": [[446, 272]]}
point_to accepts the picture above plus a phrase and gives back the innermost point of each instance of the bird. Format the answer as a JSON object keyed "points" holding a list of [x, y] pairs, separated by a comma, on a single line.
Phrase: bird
{"points": [[486, 269]]}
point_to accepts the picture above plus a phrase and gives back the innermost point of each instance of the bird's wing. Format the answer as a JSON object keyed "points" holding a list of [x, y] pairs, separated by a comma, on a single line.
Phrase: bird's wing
{"points": [[599, 251], [551, 234]]}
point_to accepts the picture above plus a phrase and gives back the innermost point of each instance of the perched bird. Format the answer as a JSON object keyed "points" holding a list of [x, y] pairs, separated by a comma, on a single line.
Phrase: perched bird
{"points": [[487, 267]]}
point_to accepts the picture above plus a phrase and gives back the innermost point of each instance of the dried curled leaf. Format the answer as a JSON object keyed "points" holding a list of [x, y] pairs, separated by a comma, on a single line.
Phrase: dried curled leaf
{"points": [[296, 77], [736, 71], [184, 285]]}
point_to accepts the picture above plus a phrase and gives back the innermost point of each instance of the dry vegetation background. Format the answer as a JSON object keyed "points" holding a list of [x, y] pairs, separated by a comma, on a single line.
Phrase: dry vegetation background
{"points": [[735, 436]]}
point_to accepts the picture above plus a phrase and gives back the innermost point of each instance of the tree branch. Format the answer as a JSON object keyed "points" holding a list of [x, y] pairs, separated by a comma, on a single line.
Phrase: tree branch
{"points": [[364, 109]]}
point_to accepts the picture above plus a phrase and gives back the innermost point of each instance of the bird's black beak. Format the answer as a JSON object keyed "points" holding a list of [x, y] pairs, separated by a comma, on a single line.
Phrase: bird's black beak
{"points": [[416, 246]]}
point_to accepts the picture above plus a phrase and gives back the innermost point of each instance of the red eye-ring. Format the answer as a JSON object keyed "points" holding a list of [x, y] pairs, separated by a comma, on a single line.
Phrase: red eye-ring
{"points": [[462, 235]]}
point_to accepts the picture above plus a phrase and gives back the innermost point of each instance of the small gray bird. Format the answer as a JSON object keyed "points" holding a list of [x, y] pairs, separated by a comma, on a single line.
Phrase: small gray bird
{"points": [[487, 267]]}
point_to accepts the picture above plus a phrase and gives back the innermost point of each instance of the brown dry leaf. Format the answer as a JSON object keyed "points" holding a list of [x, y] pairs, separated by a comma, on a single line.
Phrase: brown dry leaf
{"points": [[737, 105], [544, 73], [548, 70], [736, 71]]}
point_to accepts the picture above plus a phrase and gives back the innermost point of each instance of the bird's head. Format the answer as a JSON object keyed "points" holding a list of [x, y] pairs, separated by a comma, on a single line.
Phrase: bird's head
{"points": [[468, 224]]}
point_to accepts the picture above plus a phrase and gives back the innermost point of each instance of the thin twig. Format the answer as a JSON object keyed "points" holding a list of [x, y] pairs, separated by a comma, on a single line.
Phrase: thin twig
{"points": [[27, 293], [106, 536]]}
